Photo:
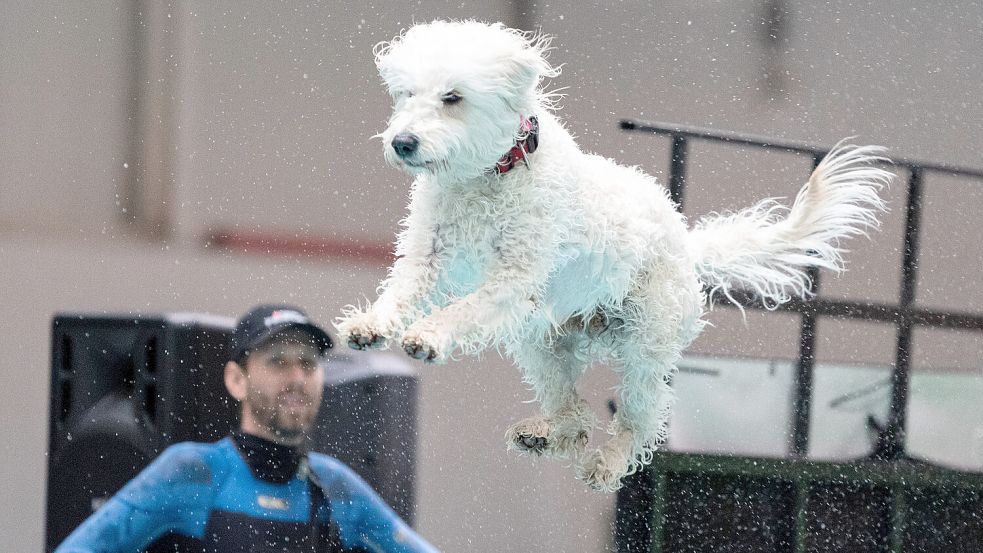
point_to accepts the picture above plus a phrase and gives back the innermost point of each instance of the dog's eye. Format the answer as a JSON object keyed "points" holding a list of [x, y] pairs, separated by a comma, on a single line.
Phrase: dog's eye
{"points": [[451, 98]]}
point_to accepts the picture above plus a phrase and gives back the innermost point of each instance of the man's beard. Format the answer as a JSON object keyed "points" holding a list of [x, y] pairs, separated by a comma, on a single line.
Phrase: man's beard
{"points": [[283, 421]]}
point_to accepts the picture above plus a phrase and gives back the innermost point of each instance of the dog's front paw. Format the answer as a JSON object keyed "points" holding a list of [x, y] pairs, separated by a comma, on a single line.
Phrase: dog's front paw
{"points": [[366, 339], [361, 331], [426, 345]]}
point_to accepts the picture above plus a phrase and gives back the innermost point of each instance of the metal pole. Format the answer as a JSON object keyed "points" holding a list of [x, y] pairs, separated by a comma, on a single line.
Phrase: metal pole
{"points": [[677, 170], [806, 365], [892, 445]]}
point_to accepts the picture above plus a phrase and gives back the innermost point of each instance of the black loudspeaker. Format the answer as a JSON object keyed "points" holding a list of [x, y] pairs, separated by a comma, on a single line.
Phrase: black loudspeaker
{"points": [[368, 421], [122, 389]]}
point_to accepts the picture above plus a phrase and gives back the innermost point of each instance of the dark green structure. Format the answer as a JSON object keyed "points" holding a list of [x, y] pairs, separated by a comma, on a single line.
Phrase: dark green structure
{"points": [[885, 503]]}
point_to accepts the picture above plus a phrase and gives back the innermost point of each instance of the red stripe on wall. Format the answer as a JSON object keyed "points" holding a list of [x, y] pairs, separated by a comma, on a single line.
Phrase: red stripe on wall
{"points": [[313, 247]]}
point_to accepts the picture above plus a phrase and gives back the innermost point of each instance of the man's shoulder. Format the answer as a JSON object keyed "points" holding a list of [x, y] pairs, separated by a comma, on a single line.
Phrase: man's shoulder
{"points": [[333, 472], [326, 463], [196, 448], [194, 461], [196, 451], [181, 477]]}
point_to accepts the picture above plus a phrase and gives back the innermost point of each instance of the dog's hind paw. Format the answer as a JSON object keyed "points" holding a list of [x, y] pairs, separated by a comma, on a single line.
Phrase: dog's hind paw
{"points": [[542, 435], [529, 435], [602, 470]]}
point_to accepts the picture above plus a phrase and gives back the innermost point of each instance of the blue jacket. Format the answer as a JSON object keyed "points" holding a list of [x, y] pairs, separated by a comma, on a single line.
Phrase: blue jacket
{"points": [[205, 498]]}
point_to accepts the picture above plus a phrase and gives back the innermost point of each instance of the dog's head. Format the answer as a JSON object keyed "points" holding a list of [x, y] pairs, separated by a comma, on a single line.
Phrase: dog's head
{"points": [[459, 90]]}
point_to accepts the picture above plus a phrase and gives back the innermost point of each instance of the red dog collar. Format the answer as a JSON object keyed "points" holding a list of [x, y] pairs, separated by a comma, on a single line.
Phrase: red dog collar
{"points": [[525, 145]]}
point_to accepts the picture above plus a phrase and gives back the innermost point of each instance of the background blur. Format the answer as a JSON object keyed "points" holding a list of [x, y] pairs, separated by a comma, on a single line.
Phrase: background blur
{"points": [[208, 155]]}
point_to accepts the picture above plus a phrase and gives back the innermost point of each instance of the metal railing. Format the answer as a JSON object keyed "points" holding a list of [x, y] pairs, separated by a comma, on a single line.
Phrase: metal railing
{"points": [[904, 315]]}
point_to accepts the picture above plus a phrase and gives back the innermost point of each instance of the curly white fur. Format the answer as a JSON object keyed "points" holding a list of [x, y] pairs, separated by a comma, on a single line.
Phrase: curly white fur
{"points": [[766, 248], [570, 259]]}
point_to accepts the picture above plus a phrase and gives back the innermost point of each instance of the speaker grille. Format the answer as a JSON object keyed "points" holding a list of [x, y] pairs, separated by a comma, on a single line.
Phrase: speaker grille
{"points": [[122, 389]]}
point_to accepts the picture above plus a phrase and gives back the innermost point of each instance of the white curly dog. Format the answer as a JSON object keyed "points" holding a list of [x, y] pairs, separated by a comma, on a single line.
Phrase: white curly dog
{"points": [[517, 238]]}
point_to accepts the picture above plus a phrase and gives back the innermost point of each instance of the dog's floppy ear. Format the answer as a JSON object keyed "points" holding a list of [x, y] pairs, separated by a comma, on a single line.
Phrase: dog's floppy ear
{"points": [[525, 68], [381, 53]]}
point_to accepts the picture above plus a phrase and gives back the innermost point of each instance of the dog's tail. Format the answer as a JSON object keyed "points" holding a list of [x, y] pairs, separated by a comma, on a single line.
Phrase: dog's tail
{"points": [[767, 249]]}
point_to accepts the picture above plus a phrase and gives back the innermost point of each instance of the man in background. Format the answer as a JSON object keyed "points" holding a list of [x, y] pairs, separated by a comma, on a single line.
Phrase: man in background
{"points": [[257, 490]]}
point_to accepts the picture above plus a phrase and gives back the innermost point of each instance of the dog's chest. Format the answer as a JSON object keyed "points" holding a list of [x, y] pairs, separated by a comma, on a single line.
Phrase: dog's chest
{"points": [[468, 232]]}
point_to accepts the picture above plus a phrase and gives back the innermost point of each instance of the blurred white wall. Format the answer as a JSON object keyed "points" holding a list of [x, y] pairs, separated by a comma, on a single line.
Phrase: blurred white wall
{"points": [[132, 131]]}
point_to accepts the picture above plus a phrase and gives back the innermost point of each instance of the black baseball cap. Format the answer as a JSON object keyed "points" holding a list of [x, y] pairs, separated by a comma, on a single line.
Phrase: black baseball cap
{"points": [[263, 321]]}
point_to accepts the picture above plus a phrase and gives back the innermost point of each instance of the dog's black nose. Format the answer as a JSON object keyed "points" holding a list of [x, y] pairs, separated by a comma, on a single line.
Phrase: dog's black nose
{"points": [[405, 144]]}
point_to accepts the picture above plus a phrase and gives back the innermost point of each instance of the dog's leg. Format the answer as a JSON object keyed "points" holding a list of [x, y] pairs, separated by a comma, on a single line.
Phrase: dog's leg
{"points": [[563, 427], [472, 323], [660, 320], [639, 426], [404, 290], [398, 305], [499, 307]]}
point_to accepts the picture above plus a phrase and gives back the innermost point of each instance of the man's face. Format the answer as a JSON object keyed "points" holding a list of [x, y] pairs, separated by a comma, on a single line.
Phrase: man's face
{"points": [[284, 384]]}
